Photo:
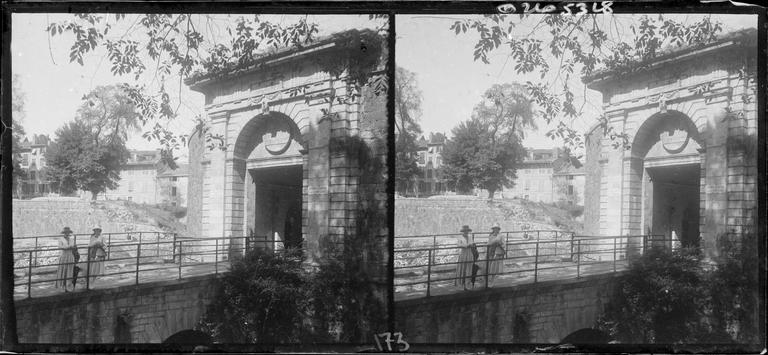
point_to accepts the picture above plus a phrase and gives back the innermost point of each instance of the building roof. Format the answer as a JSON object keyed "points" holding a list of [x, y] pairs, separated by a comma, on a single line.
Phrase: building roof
{"points": [[276, 56], [143, 157], [180, 171], [37, 140], [434, 139], [670, 54]]}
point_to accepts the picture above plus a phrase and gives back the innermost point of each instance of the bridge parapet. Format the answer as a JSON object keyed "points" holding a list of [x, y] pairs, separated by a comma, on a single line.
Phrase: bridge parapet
{"points": [[544, 312], [146, 313]]}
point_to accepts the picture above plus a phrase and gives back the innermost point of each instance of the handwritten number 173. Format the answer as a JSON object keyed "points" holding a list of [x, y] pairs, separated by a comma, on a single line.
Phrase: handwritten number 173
{"points": [[387, 339]]}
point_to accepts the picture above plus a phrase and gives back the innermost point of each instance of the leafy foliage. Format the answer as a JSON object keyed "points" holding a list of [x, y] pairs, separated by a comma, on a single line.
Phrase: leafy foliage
{"points": [[579, 44], [162, 47], [407, 129], [659, 300], [473, 159], [263, 299], [733, 290], [485, 150], [76, 161], [110, 113], [17, 135], [671, 297]]}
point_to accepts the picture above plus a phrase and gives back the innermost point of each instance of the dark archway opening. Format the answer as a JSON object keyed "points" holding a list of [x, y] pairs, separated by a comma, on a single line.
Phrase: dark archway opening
{"points": [[189, 337], [586, 336], [675, 202], [278, 204]]}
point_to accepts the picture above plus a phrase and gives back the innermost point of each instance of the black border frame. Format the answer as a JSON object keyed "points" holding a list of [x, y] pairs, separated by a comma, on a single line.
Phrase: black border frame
{"points": [[393, 9]]}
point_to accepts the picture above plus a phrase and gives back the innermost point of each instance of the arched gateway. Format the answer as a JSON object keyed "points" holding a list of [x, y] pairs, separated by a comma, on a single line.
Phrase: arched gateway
{"points": [[287, 177], [691, 168]]}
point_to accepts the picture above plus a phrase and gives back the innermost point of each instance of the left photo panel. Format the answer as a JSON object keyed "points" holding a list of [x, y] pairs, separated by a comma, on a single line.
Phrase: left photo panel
{"points": [[200, 179]]}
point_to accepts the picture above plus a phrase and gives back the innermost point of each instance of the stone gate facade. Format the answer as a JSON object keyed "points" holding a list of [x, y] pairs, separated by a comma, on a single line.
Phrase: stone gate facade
{"points": [[305, 151], [691, 118]]}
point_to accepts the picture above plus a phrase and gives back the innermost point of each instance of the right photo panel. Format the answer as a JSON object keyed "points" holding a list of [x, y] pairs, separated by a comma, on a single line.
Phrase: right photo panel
{"points": [[587, 179]]}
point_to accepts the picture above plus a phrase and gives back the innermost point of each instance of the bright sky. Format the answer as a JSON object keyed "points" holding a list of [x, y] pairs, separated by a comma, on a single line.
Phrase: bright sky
{"points": [[452, 83], [53, 86]]}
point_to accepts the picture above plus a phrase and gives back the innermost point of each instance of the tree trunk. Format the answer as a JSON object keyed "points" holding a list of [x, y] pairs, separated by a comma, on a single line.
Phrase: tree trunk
{"points": [[491, 192], [94, 194]]}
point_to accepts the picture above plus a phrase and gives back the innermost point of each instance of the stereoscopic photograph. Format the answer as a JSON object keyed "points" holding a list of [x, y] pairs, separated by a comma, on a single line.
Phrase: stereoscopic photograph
{"points": [[577, 179], [199, 178]]}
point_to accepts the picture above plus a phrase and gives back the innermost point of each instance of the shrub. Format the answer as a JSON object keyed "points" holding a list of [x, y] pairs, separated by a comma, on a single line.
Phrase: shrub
{"points": [[263, 299], [659, 300], [672, 297]]}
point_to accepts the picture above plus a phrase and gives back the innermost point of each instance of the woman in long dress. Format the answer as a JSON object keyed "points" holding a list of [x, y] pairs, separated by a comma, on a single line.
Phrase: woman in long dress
{"points": [[96, 254], [66, 260], [466, 257], [495, 254]]}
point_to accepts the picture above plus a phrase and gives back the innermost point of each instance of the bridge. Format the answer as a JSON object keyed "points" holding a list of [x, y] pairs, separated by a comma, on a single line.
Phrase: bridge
{"points": [[552, 285], [154, 285]]}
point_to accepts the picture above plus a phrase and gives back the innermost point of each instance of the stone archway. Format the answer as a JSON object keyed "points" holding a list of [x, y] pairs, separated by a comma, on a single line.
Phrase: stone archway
{"points": [[268, 166], [665, 169]]}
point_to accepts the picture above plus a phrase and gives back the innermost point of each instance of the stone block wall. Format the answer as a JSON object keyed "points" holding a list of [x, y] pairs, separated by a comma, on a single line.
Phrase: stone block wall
{"points": [[554, 309], [147, 313], [39, 218]]}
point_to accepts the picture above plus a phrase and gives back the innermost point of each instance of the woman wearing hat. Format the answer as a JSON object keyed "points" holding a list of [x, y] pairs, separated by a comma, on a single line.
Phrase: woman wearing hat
{"points": [[466, 257], [66, 260], [96, 254], [495, 254]]}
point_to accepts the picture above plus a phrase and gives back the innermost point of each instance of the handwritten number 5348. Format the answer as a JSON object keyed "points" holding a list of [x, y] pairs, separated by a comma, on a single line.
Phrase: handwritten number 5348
{"points": [[387, 339]]}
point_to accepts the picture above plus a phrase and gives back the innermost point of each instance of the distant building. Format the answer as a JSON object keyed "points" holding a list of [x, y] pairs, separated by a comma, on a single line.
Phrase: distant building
{"points": [[33, 182], [545, 175], [568, 181], [172, 184], [534, 176], [430, 160], [145, 179], [138, 178]]}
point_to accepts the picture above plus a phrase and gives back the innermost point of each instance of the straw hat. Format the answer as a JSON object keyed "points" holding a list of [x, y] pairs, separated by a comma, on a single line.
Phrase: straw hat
{"points": [[496, 226], [66, 230], [465, 228], [97, 228]]}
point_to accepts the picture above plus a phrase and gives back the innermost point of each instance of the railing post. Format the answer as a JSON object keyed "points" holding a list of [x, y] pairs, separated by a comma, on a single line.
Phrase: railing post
{"points": [[140, 240], [536, 264], [429, 271], [138, 257], [174, 247], [573, 235], [157, 240], [29, 273], [614, 254], [487, 269], [35, 252], [216, 257], [181, 257], [109, 244], [87, 270], [578, 260]]}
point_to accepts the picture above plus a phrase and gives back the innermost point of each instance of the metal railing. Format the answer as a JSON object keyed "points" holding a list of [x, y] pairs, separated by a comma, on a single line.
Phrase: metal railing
{"points": [[421, 267], [147, 257]]}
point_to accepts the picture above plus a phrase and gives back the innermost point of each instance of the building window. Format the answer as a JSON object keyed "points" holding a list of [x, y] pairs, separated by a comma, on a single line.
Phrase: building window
{"points": [[130, 188], [173, 191], [173, 178], [570, 190], [569, 177]]}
